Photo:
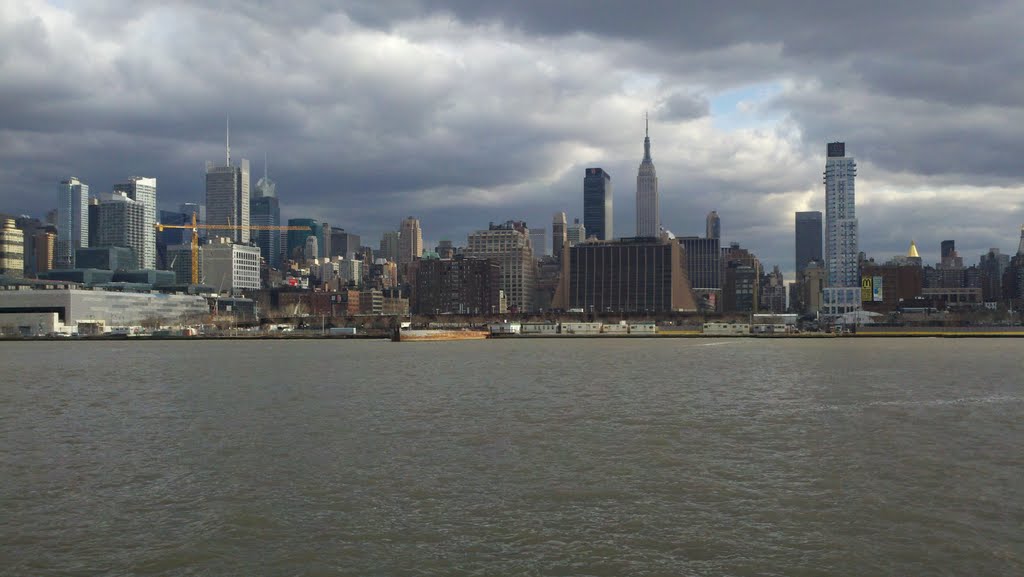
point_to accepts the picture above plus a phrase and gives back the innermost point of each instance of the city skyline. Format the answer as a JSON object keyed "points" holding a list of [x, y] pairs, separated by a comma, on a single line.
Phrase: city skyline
{"points": [[741, 109]]}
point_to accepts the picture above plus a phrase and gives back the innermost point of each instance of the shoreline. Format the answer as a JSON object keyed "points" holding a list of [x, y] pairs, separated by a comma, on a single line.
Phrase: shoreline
{"points": [[665, 335]]}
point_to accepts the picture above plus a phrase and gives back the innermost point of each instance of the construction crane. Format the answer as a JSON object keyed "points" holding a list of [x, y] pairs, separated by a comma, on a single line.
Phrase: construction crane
{"points": [[195, 227]]}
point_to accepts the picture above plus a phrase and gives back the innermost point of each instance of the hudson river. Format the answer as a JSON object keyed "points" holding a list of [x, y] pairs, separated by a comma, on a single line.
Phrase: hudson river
{"points": [[542, 457]]}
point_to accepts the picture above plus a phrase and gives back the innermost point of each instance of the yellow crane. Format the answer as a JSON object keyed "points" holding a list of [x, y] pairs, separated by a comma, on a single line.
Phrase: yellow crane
{"points": [[195, 227]]}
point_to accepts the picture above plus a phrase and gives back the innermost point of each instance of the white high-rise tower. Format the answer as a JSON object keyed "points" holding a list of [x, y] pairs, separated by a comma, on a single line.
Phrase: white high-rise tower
{"points": [[142, 189], [72, 220], [227, 197], [844, 291], [648, 219]]}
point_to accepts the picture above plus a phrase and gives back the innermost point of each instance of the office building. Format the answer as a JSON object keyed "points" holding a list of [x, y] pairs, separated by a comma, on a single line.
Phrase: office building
{"points": [[597, 203], [351, 272], [324, 239], [713, 225], [115, 258], [171, 236], [456, 286], [179, 261], [558, 234], [1013, 276], [143, 190], [382, 274], [72, 220], [229, 267], [12, 249], [648, 218], [343, 243], [539, 242], [312, 247], [40, 244], [265, 187], [227, 198], [947, 249], [885, 287], [296, 246], [992, 266], [44, 249], [266, 211], [704, 269], [575, 233], [389, 245], [772, 292], [811, 287], [808, 239], [121, 221], [843, 291], [410, 241], [741, 280], [509, 245], [190, 208], [637, 275], [703, 261]]}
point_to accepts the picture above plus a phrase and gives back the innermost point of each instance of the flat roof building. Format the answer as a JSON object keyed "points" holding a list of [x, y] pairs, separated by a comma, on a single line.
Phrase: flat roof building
{"points": [[627, 275]]}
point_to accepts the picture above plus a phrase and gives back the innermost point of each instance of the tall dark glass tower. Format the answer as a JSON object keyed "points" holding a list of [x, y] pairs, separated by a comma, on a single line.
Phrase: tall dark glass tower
{"points": [[948, 248], [266, 211], [808, 239], [597, 203]]}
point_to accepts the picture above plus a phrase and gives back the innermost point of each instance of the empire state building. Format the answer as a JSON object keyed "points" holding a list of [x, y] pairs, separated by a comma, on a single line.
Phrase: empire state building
{"points": [[647, 217]]}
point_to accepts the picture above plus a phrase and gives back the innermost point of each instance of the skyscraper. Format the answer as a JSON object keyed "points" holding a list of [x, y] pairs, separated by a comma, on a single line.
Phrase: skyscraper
{"points": [[172, 236], [142, 189], [539, 242], [266, 211], [808, 239], [558, 238], [264, 186], [12, 249], [844, 291], [713, 225], [509, 245], [575, 233], [194, 207], [296, 248], [121, 221], [227, 197], [947, 248], [344, 243], [648, 219], [72, 220], [389, 245], [410, 240], [597, 203], [627, 275]]}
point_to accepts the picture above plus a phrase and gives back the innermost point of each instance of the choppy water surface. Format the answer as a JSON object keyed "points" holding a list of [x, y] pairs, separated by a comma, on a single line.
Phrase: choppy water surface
{"points": [[542, 457]]}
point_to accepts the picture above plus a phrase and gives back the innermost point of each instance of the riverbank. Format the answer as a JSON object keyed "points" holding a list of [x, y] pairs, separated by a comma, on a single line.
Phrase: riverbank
{"points": [[386, 335]]}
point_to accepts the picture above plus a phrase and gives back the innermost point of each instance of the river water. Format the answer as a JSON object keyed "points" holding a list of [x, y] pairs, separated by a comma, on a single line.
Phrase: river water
{"points": [[539, 457]]}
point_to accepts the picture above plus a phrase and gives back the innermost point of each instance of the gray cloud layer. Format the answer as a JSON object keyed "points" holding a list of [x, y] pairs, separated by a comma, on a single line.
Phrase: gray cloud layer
{"points": [[467, 112]]}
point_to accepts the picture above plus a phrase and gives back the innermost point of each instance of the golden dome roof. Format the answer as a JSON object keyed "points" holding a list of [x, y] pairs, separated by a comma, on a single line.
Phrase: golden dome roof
{"points": [[912, 253]]}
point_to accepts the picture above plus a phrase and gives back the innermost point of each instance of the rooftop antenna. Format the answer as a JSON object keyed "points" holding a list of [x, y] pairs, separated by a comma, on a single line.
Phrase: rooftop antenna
{"points": [[647, 125], [228, 140], [265, 165]]}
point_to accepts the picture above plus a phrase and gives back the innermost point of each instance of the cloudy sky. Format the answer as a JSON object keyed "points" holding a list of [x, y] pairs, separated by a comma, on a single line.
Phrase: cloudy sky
{"points": [[462, 112]]}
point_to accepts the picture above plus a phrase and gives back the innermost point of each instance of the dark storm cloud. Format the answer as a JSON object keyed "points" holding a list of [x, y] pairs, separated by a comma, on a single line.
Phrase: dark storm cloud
{"points": [[463, 112]]}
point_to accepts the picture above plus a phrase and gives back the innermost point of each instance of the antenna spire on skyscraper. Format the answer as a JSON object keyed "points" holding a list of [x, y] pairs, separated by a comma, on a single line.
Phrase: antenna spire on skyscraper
{"points": [[647, 138], [227, 139]]}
